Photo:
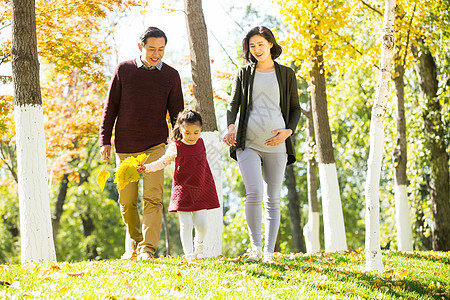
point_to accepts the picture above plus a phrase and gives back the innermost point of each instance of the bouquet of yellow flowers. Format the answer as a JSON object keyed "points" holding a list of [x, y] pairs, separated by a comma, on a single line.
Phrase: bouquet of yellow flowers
{"points": [[126, 173]]}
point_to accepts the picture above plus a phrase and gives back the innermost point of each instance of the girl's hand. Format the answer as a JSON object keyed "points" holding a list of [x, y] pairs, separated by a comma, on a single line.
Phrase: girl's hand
{"points": [[280, 137], [230, 137], [141, 169]]}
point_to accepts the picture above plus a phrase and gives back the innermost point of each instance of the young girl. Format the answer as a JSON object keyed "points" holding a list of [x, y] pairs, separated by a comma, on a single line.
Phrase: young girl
{"points": [[193, 188]]}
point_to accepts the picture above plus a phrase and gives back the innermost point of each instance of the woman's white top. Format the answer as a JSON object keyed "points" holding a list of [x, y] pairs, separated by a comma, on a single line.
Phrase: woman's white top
{"points": [[265, 115]]}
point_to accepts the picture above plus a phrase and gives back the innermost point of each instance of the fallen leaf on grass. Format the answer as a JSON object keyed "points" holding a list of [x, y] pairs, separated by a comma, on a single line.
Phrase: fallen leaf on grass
{"points": [[404, 273], [128, 285], [55, 267], [4, 283], [277, 255], [226, 283], [75, 274]]}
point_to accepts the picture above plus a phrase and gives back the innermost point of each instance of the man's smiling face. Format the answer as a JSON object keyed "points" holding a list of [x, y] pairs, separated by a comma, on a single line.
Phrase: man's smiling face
{"points": [[152, 51]]}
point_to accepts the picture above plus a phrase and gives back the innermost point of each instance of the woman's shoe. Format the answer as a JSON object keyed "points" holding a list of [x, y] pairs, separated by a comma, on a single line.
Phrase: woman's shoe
{"points": [[254, 256]]}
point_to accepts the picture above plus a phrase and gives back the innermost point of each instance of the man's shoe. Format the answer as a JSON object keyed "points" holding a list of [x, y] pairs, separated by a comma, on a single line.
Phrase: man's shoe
{"points": [[132, 252], [254, 256], [145, 256]]}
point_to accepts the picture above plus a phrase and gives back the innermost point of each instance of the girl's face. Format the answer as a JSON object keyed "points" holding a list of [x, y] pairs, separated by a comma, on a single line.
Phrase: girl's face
{"points": [[190, 132], [260, 48]]}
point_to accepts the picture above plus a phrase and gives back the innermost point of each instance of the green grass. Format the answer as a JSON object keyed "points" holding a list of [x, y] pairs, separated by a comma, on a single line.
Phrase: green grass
{"points": [[416, 275]]}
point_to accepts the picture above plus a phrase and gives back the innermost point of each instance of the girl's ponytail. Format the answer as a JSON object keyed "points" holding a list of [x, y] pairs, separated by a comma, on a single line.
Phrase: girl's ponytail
{"points": [[176, 133]]}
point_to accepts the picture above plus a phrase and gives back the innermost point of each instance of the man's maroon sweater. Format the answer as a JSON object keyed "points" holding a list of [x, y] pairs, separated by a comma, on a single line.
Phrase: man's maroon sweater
{"points": [[138, 101]]}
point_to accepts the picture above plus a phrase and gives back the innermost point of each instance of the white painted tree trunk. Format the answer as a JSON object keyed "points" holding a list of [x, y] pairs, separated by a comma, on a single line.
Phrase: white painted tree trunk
{"points": [[36, 236], [213, 239], [403, 219], [373, 247], [333, 219], [311, 232]]}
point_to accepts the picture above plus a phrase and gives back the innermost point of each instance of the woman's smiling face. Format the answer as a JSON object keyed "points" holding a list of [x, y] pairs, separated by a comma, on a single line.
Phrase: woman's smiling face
{"points": [[260, 48]]}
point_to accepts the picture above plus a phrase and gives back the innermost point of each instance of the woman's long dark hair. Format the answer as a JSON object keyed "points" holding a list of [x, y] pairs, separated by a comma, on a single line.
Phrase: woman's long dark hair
{"points": [[188, 117], [265, 32]]}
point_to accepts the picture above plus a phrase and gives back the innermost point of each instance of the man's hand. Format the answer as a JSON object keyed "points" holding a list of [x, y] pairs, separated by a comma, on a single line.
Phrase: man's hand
{"points": [[105, 151], [281, 136]]}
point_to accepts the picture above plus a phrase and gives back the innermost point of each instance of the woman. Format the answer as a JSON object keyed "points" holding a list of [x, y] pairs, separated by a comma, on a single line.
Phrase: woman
{"points": [[266, 95]]}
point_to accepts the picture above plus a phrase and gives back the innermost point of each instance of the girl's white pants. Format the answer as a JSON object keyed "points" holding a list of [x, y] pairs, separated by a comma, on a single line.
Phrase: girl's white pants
{"points": [[188, 221]]}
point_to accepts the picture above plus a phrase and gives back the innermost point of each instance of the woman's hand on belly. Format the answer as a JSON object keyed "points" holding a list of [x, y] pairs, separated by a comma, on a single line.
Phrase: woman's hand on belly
{"points": [[280, 136]]}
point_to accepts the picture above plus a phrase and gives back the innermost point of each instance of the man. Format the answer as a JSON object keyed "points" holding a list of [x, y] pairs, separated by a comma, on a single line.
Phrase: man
{"points": [[141, 93]]}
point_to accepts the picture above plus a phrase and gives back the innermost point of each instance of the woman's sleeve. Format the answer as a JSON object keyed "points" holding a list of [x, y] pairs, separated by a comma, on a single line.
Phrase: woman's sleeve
{"points": [[235, 102], [294, 104], [164, 160]]}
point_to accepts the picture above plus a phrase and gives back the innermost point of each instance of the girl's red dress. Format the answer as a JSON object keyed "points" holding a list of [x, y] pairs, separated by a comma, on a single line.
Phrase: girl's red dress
{"points": [[193, 186]]}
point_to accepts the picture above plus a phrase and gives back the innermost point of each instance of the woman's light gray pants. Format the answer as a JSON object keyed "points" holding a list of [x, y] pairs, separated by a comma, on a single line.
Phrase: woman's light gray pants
{"points": [[263, 174]]}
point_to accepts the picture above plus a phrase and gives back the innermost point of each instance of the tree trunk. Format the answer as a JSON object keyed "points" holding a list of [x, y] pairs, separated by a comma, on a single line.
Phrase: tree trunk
{"points": [[88, 229], [333, 219], [373, 246], [35, 217], [204, 104], [166, 231], [294, 209], [200, 63], [59, 204], [427, 240], [311, 229], [402, 210], [439, 187]]}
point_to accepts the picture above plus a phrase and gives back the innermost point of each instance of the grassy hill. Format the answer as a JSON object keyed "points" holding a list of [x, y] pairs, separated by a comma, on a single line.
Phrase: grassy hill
{"points": [[416, 275]]}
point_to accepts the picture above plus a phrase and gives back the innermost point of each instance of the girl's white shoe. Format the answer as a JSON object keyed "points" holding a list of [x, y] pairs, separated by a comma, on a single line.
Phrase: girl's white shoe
{"points": [[199, 251], [189, 256]]}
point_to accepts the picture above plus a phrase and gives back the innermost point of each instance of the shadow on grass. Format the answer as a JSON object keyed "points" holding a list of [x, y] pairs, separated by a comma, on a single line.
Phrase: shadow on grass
{"points": [[329, 264], [422, 255]]}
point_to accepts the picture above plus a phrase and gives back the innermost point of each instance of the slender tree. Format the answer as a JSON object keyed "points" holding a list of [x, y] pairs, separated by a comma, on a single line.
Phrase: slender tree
{"points": [[439, 187], [203, 95], [294, 209], [373, 247], [35, 221], [333, 218], [400, 155], [311, 24], [402, 210], [311, 229]]}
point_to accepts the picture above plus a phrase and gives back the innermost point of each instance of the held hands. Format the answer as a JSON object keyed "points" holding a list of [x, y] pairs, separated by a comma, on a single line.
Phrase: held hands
{"points": [[230, 137], [280, 137]]}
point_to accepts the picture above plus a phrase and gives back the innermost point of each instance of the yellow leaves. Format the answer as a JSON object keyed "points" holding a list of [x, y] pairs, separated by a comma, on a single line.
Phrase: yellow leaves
{"points": [[6, 118], [127, 171], [102, 177], [141, 158], [404, 273]]}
